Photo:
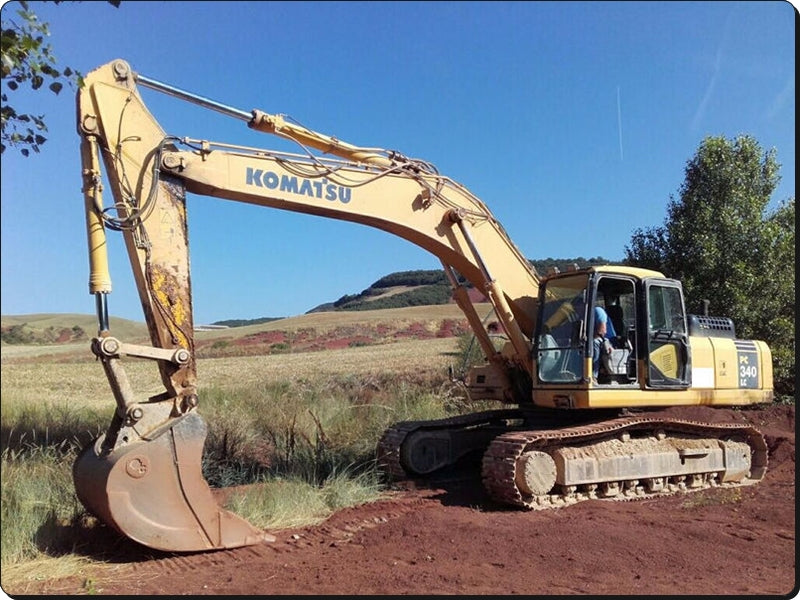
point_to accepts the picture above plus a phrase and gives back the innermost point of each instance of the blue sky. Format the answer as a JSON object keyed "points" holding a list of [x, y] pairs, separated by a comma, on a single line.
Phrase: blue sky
{"points": [[572, 121]]}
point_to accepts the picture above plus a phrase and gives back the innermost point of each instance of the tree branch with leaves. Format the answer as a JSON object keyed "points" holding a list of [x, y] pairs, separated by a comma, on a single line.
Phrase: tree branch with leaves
{"points": [[28, 60]]}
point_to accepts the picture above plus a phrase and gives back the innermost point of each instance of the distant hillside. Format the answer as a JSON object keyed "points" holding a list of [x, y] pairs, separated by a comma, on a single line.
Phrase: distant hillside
{"points": [[42, 329], [401, 289], [430, 287], [244, 322], [396, 290]]}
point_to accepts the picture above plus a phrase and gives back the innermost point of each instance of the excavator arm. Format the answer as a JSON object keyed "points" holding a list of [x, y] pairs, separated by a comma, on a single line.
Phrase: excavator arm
{"points": [[426, 209], [143, 476]]}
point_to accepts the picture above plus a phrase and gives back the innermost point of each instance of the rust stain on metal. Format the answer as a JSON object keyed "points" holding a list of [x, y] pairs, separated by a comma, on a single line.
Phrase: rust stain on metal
{"points": [[171, 296]]}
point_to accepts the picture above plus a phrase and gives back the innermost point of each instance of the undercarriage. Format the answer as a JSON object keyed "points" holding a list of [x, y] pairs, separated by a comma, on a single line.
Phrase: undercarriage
{"points": [[538, 460]]}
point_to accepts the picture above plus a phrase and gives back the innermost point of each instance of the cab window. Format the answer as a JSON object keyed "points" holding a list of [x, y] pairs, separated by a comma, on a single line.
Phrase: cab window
{"points": [[666, 309], [560, 345]]}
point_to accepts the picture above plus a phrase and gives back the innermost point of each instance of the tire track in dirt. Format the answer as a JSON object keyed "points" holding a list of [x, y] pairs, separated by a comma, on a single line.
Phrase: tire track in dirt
{"points": [[335, 531]]}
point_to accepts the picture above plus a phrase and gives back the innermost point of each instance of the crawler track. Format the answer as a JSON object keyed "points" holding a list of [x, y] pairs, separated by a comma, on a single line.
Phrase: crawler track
{"points": [[501, 459], [389, 446]]}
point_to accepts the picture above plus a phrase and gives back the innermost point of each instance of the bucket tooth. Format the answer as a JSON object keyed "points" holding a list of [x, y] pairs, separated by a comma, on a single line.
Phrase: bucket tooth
{"points": [[153, 492]]}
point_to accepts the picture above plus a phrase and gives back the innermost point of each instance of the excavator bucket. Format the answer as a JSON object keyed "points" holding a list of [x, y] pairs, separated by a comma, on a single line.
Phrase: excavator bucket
{"points": [[153, 492]]}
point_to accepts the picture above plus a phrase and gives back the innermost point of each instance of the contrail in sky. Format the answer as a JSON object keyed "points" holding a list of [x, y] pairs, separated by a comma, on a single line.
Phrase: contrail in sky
{"points": [[619, 124], [700, 113]]}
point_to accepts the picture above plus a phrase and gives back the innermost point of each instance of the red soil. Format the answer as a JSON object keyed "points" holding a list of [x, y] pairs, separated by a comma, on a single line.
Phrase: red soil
{"points": [[446, 537]]}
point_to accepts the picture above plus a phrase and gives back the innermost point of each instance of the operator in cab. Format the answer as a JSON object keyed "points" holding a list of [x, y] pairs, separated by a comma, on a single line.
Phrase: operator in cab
{"points": [[601, 347]]}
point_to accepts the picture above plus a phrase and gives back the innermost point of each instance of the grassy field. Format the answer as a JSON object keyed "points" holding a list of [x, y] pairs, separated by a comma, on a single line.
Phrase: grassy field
{"points": [[74, 378], [318, 414], [134, 331], [326, 321], [39, 327]]}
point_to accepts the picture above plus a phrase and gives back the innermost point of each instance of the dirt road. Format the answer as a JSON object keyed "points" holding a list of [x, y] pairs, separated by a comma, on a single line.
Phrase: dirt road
{"points": [[448, 538]]}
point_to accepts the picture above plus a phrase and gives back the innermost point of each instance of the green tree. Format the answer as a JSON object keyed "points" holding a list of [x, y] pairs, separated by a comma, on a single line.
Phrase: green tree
{"points": [[773, 307], [28, 60], [721, 239]]}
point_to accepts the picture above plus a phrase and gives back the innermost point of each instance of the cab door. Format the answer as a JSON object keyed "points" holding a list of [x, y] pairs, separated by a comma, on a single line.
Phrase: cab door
{"points": [[668, 354]]}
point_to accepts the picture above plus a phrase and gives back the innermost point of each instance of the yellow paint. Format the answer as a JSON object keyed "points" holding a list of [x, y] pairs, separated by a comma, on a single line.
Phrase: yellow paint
{"points": [[617, 397]]}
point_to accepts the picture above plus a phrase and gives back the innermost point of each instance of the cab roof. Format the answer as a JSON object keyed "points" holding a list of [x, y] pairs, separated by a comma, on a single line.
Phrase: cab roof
{"points": [[636, 272]]}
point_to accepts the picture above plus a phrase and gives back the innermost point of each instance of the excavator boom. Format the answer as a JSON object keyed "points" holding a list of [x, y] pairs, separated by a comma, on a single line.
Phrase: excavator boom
{"points": [[143, 476]]}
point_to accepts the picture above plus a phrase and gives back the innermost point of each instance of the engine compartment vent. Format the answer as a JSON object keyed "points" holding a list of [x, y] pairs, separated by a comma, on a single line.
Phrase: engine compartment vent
{"points": [[704, 326]]}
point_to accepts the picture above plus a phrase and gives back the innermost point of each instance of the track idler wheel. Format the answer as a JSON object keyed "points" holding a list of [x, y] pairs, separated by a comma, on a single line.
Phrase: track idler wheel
{"points": [[153, 492], [536, 473]]}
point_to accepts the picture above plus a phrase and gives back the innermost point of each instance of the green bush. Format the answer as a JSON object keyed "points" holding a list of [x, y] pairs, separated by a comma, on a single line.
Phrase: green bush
{"points": [[38, 501], [18, 334]]}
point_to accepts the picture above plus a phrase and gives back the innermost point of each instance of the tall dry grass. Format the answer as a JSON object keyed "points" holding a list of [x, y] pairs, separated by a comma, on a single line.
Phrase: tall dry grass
{"points": [[298, 430]]}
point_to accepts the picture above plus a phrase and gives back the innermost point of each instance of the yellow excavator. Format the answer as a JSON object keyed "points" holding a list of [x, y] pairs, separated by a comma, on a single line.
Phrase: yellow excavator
{"points": [[575, 425]]}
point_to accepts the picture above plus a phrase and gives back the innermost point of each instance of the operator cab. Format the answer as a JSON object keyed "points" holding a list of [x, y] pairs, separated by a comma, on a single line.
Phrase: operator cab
{"points": [[646, 331]]}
